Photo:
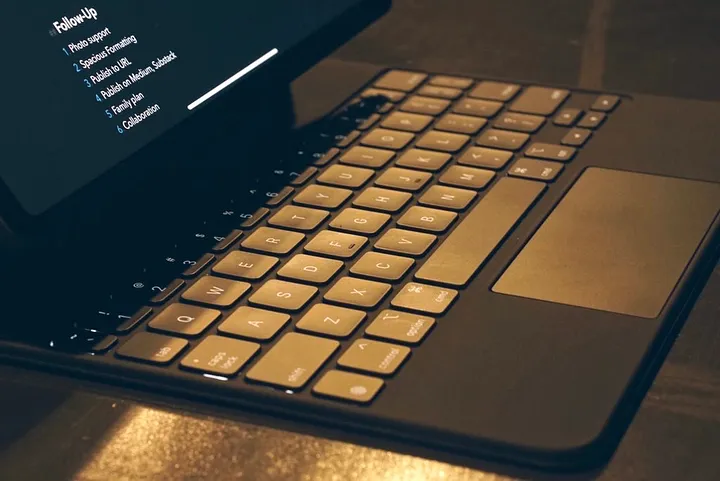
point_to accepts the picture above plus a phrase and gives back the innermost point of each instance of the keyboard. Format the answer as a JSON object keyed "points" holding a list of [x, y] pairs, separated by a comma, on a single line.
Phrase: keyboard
{"points": [[356, 257]]}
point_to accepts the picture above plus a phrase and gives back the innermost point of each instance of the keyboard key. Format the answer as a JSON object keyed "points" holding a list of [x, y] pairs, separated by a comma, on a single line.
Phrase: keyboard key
{"points": [[304, 176], [293, 360], [374, 357], [424, 298], [325, 158], [519, 122], [389, 95], [104, 345], [382, 199], [253, 323], [406, 242], [605, 103], [501, 139], [484, 157], [345, 176], [423, 160], [345, 140], [443, 141], [196, 267], [220, 355], [322, 196], [477, 108], [567, 117], [276, 198], [425, 105], [401, 80], [367, 157], [166, 293], [550, 152], [254, 218], [576, 137], [315, 270], [453, 82], [366, 123], [273, 241], [298, 218], [403, 179], [472, 241], [387, 139], [424, 218], [384, 267], [227, 241], [406, 121], [283, 295], [245, 265], [130, 324], [447, 197], [348, 386], [184, 320], [354, 292], [539, 100], [330, 321], [215, 291], [468, 177], [536, 169], [440, 92], [460, 124], [592, 120], [336, 244], [499, 91], [400, 326], [152, 348], [360, 221]]}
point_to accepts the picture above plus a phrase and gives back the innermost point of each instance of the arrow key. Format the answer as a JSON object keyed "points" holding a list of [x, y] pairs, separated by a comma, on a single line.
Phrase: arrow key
{"points": [[576, 137]]}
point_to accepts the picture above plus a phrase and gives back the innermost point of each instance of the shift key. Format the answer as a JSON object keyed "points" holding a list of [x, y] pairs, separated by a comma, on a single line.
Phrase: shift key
{"points": [[293, 360]]}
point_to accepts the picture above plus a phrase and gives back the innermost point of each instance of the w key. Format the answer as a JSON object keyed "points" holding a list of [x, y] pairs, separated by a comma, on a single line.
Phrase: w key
{"points": [[215, 291]]}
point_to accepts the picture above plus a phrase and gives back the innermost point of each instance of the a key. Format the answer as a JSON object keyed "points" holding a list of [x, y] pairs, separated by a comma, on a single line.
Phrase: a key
{"points": [[447, 197], [425, 105], [407, 121], [387, 139], [353, 292], [605, 103], [273, 241], [360, 221], [499, 91], [536, 169], [406, 242], [253, 323], [468, 177], [442, 141], [345, 176], [472, 241], [283, 295], [477, 108], [424, 218], [276, 198], [460, 124], [336, 244], [539, 100], [325, 158], [367, 157], [424, 298], [423, 160], [374, 357], [519, 122], [401, 80], [440, 92], [390, 95], [220, 355], [382, 199], [304, 176], [400, 327], [567, 117], [348, 386], [550, 151], [383, 267], [452, 82], [254, 218], [333, 321], [228, 241], [151, 348], [298, 218], [196, 267], [215, 291], [501, 139], [484, 157], [322, 196], [592, 120], [293, 360], [245, 265], [184, 320], [312, 269], [403, 179], [576, 137]]}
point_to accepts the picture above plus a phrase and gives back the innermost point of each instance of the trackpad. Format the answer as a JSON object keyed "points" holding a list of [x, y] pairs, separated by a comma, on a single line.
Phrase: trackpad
{"points": [[618, 241]]}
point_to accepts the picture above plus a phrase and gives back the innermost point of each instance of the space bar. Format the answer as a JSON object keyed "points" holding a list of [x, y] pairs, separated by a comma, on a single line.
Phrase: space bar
{"points": [[471, 243]]}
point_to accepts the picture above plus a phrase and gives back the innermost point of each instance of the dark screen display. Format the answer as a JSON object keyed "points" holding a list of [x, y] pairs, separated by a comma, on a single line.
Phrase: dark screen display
{"points": [[86, 85]]}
